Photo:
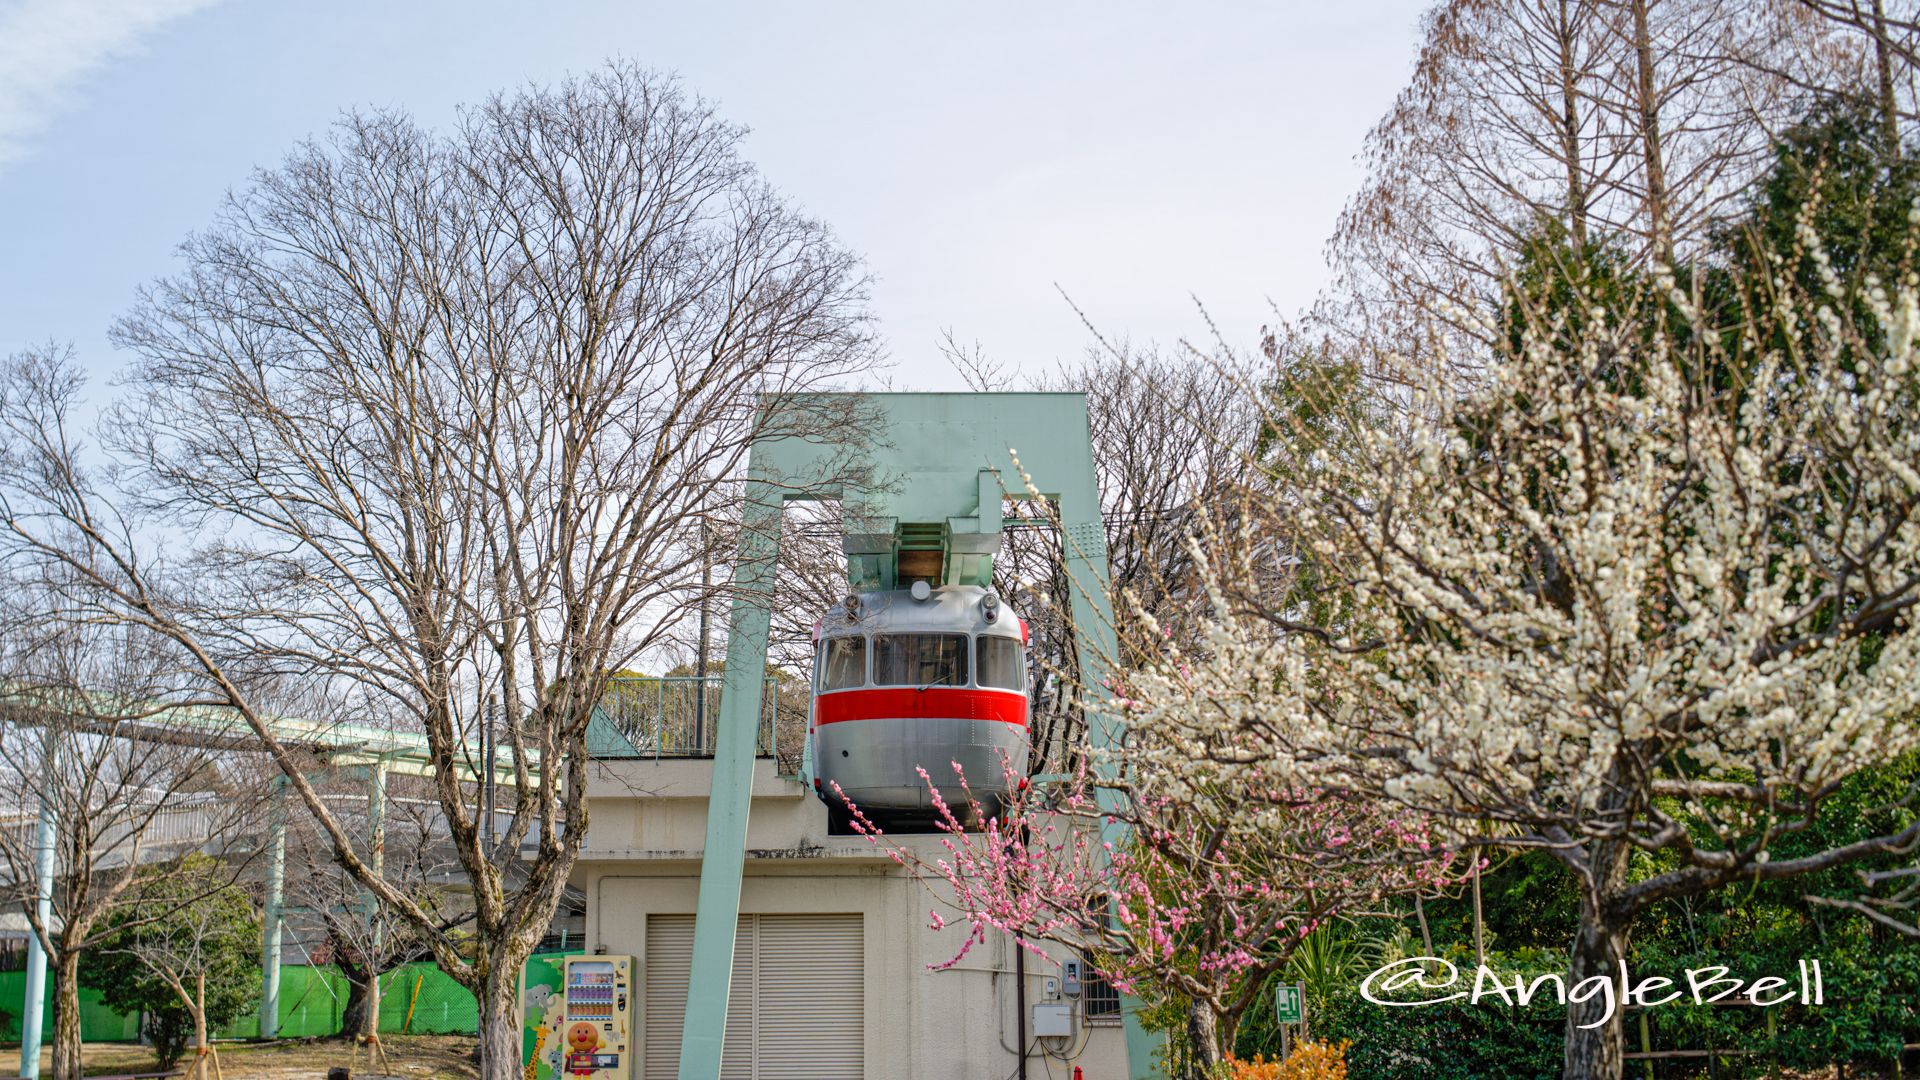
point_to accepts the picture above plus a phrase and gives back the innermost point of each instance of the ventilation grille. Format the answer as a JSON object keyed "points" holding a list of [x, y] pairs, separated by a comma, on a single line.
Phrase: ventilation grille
{"points": [[923, 536]]}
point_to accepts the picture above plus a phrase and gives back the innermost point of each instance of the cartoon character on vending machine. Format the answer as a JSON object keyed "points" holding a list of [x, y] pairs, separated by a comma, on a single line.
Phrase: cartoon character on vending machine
{"points": [[582, 1041], [537, 999]]}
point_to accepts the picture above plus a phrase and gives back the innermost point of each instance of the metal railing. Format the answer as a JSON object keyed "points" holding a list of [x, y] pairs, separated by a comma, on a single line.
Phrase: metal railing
{"points": [[156, 831], [678, 716]]}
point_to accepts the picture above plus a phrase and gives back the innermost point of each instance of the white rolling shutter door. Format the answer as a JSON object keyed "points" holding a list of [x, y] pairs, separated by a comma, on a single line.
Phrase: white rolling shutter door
{"points": [[796, 1005], [812, 1016], [669, 959], [736, 1054]]}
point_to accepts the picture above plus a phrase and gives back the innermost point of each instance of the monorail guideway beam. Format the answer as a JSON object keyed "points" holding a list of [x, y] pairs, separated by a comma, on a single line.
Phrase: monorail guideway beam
{"points": [[933, 478]]}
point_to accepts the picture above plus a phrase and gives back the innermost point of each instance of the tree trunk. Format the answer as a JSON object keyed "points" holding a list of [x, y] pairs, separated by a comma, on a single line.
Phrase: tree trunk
{"points": [[1599, 950], [358, 967], [1883, 64], [200, 1042], [500, 1025], [353, 1014], [1226, 1028], [1658, 213], [66, 1016], [1203, 1038], [1566, 32]]}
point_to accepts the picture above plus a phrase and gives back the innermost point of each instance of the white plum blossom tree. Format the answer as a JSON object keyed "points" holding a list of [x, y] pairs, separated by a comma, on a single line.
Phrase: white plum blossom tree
{"points": [[1646, 588]]}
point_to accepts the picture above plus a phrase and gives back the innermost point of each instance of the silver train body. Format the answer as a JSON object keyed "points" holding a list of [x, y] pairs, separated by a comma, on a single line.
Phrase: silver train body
{"points": [[902, 685]]}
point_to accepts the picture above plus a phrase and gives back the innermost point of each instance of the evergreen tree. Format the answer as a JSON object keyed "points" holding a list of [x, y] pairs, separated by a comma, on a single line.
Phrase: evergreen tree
{"points": [[190, 942]]}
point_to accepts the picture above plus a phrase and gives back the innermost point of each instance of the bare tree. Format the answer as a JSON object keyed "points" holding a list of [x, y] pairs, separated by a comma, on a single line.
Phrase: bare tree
{"points": [[1173, 432], [192, 929], [443, 415], [339, 921], [1891, 33], [1628, 124], [100, 801]]}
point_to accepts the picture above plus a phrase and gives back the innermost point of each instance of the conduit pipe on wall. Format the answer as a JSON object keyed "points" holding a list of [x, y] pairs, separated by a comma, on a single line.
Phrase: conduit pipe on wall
{"points": [[1020, 1002]]}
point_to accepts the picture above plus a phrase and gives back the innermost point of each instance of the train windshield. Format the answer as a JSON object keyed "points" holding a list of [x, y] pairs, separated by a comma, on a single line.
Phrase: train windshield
{"points": [[846, 663], [920, 659], [1001, 665]]}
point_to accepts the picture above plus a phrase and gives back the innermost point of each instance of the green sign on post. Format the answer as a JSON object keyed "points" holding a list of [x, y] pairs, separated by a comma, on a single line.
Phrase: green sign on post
{"points": [[1286, 1003]]}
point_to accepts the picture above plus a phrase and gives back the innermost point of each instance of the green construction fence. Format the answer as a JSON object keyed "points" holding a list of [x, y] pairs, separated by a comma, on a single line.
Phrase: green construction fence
{"points": [[97, 1022], [417, 998]]}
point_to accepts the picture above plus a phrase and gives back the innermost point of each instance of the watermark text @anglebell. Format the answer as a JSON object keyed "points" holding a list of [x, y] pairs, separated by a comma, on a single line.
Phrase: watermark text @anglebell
{"points": [[1418, 977]]}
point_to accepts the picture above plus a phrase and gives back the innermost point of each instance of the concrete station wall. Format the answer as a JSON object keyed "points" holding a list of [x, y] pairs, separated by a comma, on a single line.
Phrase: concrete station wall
{"points": [[646, 828]]}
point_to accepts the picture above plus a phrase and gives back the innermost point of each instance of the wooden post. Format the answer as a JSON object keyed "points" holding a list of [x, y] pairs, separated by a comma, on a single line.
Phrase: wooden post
{"points": [[1773, 1053], [1479, 935], [1646, 1042], [407, 1028]]}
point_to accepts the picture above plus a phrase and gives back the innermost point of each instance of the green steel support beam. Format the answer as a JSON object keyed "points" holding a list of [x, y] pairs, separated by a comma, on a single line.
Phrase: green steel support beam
{"points": [[935, 458], [703, 1032], [377, 851], [270, 915], [1083, 546]]}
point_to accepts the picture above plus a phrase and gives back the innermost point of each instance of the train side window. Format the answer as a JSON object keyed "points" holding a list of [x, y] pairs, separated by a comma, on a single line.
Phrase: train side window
{"points": [[920, 659], [1001, 665], [846, 663]]}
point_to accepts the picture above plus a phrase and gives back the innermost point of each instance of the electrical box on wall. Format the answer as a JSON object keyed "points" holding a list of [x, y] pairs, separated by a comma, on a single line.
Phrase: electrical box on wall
{"points": [[578, 1011], [1052, 1020]]}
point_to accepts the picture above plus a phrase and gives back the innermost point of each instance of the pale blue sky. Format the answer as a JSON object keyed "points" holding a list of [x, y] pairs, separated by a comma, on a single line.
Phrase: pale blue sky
{"points": [[1136, 155]]}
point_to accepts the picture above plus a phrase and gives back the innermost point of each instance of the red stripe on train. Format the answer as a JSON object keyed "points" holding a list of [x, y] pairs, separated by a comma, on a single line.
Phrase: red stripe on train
{"points": [[908, 703]]}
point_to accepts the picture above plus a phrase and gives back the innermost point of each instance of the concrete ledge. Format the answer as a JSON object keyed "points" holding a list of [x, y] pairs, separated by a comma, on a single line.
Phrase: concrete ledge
{"points": [[864, 852], [679, 778]]}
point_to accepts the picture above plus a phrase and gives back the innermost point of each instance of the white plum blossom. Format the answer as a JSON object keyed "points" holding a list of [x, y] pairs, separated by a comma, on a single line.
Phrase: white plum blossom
{"points": [[1647, 587]]}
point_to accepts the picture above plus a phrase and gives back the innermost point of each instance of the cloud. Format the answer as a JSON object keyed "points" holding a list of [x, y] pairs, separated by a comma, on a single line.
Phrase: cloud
{"points": [[47, 47]]}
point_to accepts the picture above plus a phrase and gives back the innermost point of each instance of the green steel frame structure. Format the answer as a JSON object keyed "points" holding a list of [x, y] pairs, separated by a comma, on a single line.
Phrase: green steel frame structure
{"points": [[936, 466]]}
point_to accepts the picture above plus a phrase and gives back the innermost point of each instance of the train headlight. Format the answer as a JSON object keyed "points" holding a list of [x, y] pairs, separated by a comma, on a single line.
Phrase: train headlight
{"points": [[990, 607]]}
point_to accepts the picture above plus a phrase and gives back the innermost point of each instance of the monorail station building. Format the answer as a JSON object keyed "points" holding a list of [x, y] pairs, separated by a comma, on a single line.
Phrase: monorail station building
{"points": [[832, 951], [766, 939]]}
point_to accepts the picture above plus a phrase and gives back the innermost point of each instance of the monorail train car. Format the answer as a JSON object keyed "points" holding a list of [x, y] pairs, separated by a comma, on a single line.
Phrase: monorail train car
{"points": [[907, 679]]}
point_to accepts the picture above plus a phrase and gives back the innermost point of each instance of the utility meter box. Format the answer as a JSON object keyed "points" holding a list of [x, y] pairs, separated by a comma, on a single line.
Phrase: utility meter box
{"points": [[1052, 1020], [578, 1015]]}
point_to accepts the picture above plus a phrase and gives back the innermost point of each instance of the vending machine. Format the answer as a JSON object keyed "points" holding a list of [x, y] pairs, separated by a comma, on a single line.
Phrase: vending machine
{"points": [[578, 1013]]}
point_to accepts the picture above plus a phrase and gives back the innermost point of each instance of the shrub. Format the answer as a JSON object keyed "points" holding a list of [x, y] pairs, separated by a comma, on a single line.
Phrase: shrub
{"points": [[1309, 1061], [1447, 1041]]}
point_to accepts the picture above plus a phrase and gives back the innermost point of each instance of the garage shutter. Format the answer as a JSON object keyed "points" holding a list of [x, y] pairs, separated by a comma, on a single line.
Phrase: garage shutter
{"points": [[812, 997], [669, 958], [796, 1006], [736, 1054]]}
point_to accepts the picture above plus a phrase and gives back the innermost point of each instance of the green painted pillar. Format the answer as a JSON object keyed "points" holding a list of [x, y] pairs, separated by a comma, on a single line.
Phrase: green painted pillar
{"points": [[703, 1033], [45, 862], [1084, 546], [377, 852], [270, 916]]}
